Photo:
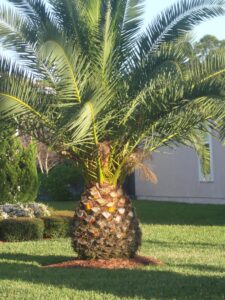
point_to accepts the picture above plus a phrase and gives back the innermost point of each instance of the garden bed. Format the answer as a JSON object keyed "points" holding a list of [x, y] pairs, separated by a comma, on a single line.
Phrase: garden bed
{"points": [[136, 262]]}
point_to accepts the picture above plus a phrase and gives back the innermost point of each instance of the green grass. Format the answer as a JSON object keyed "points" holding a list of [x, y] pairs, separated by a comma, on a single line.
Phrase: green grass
{"points": [[189, 239], [151, 212]]}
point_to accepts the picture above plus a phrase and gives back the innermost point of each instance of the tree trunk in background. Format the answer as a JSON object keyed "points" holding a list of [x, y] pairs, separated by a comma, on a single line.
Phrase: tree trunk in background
{"points": [[105, 225]]}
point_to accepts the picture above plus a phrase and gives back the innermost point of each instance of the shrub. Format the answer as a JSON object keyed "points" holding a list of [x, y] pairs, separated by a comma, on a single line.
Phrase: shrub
{"points": [[63, 183], [56, 227], [22, 229], [18, 171]]}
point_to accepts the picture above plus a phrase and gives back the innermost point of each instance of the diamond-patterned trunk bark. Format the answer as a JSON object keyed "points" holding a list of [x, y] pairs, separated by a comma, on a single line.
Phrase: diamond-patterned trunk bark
{"points": [[105, 224]]}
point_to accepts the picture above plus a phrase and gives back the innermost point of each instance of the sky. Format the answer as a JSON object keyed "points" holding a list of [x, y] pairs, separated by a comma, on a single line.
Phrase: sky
{"points": [[215, 26]]}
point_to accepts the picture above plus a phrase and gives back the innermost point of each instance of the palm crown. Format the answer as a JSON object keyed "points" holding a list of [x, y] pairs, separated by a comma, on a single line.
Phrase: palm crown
{"points": [[83, 78]]}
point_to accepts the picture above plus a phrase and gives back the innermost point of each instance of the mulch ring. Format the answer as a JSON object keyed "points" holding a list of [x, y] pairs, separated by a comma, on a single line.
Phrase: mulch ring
{"points": [[115, 263]]}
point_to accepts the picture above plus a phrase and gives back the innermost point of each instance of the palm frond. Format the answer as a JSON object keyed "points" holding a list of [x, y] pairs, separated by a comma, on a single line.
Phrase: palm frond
{"points": [[11, 105], [13, 62], [37, 10], [132, 22], [67, 73], [197, 142], [208, 70], [177, 20]]}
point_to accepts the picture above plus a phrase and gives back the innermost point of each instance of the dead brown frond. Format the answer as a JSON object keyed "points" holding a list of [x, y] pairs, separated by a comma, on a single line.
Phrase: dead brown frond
{"points": [[147, 173], [104, 153], [137, 161]]}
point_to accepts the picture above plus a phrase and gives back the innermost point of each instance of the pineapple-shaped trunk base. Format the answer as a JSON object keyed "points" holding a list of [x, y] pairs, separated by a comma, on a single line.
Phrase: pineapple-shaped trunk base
{"points": [[105, 225]]}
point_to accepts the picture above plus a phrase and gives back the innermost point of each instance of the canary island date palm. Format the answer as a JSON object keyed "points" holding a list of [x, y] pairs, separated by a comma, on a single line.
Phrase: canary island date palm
{"points": [[83, 77]]}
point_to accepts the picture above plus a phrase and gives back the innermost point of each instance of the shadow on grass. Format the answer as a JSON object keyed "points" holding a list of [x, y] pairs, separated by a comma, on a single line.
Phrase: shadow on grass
{"points": [[41, 260], [155, 282]]}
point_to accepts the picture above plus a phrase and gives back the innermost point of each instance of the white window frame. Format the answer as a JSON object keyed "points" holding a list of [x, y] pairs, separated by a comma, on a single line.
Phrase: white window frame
{"points": [[210, 176]]}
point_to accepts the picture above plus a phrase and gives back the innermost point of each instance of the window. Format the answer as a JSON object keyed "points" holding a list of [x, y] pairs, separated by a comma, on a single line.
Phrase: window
{"points": [[209, 176]]}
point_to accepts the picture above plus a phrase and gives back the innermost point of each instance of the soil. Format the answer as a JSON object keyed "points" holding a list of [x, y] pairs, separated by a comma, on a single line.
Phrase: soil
{"points": [[137, 262]]}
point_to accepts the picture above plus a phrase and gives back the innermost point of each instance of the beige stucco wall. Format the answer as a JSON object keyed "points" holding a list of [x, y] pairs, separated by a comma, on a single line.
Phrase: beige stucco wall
{"points": [[178, 177]]}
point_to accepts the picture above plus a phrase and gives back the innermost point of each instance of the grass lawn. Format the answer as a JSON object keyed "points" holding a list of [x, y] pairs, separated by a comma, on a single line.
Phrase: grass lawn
{"points": [[190, 239]]}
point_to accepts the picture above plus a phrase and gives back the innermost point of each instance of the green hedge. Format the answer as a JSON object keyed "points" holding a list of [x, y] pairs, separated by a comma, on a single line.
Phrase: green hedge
{"points": [[27, 229], [56, 227], [21, 229]]}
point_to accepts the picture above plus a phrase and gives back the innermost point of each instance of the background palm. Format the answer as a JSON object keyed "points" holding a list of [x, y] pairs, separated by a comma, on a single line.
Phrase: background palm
{"points": [[83, 78]]}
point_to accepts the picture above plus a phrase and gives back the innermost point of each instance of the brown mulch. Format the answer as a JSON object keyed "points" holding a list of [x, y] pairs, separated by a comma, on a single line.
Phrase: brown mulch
{"points": [[115, 263]]}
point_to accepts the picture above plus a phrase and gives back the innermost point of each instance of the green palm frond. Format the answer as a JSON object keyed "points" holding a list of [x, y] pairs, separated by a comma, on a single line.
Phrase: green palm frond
{"points": [[197, 142], [132, 23], [12, 20], [13, 105], [36, 10], [11, 62], [47, 8], [68, 72], [93, 12], [81, 123], [176, 20], [107, 42], [18, 97], [16, 51], [209, 69]]}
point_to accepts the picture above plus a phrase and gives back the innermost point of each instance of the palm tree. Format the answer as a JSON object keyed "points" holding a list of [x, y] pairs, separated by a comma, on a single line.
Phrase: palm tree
{"points": [[83, 78]]}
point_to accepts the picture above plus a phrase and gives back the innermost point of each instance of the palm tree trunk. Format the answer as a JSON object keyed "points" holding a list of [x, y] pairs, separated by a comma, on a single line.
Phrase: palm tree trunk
{"points": [[105, 224]]}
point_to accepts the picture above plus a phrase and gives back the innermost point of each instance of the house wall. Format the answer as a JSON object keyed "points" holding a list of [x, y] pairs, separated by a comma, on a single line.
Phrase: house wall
{"points": [[178, 177]]}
